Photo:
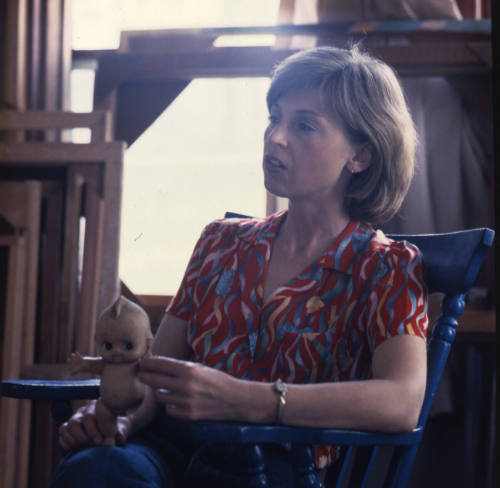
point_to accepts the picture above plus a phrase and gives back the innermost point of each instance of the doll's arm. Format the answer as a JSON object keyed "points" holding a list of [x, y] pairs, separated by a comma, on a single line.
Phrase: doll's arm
{"points": [[88, 364]]}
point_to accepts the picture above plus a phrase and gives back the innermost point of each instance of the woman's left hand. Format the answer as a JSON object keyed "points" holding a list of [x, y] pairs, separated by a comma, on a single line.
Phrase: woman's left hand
{"points": [[190, 390]]}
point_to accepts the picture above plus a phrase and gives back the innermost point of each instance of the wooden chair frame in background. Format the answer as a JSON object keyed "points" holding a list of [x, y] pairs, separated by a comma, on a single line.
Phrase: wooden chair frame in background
{"points": [[20, 204], [78, 180]]}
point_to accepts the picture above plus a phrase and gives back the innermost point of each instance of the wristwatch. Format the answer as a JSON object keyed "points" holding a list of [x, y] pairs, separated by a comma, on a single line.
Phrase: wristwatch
{"points": [[280, 388]]}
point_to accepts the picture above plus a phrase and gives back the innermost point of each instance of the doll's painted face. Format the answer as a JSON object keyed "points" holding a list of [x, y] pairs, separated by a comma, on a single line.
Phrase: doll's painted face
{"points": [[121, 342], [123, 333]]}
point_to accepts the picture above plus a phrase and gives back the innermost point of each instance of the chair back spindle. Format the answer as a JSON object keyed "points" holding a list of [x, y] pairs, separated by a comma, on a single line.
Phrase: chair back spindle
{"points": [[443, 335]]}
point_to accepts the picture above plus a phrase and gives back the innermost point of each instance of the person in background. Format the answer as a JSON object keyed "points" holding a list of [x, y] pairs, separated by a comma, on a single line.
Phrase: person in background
{"points": [[308, 317]]}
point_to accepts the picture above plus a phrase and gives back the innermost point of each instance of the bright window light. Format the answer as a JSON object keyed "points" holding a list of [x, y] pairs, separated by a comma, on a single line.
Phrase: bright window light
{"points": [[97, 23], [239, 40], [81, 99], [200, 158]]}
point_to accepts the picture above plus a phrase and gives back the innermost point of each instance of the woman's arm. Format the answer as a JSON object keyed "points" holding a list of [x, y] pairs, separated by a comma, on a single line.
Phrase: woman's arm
{"points": [[391, 401]]}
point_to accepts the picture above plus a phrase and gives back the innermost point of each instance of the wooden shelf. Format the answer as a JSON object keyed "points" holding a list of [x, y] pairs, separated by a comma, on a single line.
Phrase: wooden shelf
{"points": [[141, 78]]}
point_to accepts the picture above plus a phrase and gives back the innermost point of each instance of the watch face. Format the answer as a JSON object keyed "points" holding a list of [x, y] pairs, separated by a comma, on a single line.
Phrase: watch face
{"points": [[280, 386]]}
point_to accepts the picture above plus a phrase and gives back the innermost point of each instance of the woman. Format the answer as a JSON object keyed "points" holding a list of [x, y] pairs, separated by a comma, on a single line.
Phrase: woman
{"points": [[308, 317]]}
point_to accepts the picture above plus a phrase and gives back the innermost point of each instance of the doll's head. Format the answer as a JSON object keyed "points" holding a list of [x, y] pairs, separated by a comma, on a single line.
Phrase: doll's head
{"points": [[123, 333]]}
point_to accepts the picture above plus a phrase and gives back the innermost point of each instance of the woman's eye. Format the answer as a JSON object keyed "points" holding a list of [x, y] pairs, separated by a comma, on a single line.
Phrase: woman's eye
{"points": [[108, 346], [305, 126], [128, 346], [273, 119]]}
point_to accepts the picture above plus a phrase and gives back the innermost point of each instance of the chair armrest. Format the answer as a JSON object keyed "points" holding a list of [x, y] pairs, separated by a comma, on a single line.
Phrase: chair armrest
{"points": [[252, 433], [50, 389], [214, 431]]}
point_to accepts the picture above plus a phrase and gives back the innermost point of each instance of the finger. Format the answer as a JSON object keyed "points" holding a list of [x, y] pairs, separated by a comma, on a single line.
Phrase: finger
{"points": [[169, 397], [86, 409], [176, 411], [186, 412], [160, 380], [123, 424], [155, 380], [165, 365], [90, 426], [66, 441], [120, 439], [76, 431], [121, 435], [63, 444]]}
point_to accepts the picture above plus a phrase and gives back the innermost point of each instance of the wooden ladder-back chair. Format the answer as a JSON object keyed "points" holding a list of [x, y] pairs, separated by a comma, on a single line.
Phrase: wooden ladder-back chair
{"points": [[452, 263]]}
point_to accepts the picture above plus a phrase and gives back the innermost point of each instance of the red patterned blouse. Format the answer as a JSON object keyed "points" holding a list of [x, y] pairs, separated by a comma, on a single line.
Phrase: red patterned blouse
{"points": [[321, 326]]}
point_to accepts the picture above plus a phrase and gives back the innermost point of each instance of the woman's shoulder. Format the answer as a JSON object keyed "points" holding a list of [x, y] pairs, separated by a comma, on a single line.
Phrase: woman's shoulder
{"points": [[245, 228], [388, 262], [394, 253]]}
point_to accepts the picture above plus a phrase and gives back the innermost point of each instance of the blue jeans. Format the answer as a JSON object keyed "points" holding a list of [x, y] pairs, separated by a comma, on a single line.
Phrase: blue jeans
{"points": [[135, 465], [163, 456]]}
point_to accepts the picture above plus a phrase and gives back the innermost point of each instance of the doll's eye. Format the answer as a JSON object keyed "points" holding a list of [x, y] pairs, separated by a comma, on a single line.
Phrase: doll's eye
{"points": [[108, 346], [129, 346]]}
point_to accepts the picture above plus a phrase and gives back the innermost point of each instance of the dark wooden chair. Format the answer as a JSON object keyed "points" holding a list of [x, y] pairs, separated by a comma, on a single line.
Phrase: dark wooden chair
{"points": [[452, 262]]}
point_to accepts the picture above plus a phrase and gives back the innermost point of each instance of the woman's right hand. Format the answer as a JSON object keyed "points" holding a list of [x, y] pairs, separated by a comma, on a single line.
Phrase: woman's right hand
{"points": [[81, 429]]}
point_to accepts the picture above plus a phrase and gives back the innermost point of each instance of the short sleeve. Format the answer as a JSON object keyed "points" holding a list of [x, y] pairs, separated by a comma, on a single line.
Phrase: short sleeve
{"points": [[397, 302]]}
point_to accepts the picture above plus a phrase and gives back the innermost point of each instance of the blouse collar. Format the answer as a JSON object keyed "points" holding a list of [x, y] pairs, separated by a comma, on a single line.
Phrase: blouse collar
{"points": [[339, 256]]}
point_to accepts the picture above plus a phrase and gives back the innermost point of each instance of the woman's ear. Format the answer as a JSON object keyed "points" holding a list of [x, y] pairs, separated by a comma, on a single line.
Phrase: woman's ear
{"points": [[362, 158]]}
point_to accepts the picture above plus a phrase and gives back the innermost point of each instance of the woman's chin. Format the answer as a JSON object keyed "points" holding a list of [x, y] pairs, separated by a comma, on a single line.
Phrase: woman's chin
{"points": [[275, 189]]}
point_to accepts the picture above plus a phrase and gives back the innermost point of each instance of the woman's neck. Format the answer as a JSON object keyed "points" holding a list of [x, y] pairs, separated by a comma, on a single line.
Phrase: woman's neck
{"points": [[308, 227]]}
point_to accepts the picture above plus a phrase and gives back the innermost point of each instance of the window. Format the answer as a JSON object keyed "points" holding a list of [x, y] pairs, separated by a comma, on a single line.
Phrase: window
{"points": [[201, 157], [97, 24]]}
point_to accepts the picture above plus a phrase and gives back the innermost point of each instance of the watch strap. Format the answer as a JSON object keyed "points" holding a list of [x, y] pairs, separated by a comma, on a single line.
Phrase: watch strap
{"points": [[281, 389]]}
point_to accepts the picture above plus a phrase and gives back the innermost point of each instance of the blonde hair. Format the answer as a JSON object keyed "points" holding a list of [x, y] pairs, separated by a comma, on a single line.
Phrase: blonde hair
{"points": [[366, 96]]}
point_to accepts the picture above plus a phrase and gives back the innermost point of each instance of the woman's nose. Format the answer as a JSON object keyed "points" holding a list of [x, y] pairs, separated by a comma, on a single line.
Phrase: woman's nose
{"points": [[277, 134]]}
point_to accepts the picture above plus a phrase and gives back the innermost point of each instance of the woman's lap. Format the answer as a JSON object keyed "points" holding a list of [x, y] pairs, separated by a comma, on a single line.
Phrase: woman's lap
{"points": [[135, 465], [159, 457]]}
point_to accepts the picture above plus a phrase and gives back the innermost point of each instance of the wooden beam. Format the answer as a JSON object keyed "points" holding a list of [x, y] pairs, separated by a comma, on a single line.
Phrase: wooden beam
{"points": [[34, 55], [139, 103], [20, 203], [12, 352], [149, 58], [99, 122], [229, 62], [59, 153], [14, 55], [52, 68], [88, 309], [74, 191], [161, 37]]}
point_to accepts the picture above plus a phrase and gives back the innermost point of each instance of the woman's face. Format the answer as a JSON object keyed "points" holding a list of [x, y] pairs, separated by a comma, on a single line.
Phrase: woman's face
{"points": [[305, 150]]}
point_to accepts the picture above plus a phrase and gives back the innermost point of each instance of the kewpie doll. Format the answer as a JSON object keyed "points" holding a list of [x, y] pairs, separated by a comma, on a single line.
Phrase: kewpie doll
{"points": [[123, 335]]}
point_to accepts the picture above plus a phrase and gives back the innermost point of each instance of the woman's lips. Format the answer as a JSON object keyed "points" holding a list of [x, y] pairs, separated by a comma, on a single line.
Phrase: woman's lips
{"points": [[273, 163]]}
